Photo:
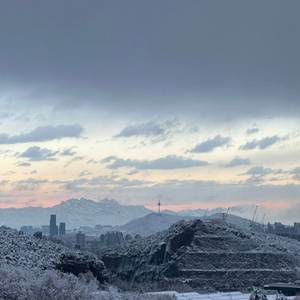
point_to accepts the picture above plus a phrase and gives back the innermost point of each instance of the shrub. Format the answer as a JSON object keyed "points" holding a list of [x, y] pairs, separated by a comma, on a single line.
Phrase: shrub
{"points": [[17, 283]]}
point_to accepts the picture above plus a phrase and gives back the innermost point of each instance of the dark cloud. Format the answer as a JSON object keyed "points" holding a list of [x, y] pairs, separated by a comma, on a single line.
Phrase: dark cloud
{"points": [[150, 129], [255, 180], [30, 184], [238, 161], [257, 174], [202, 192], [252, 130], [214, 192], [24, 164], [151, 132], [165, 163], [296, 170], [5, 115], [36, 153], [263, 143], [211, 144], [100, 182], [42, 134], [84, 173], [92, 161], [296, 173], [68, 152], [213, 59], [73, 160], [260, 170]]}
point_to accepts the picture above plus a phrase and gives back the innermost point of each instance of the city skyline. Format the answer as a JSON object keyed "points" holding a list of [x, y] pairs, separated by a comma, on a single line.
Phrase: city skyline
{"points": [[193, 105]]}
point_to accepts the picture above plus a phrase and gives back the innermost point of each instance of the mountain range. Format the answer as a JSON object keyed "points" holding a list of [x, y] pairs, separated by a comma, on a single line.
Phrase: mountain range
{"points": [[75, 212], [84, 212]]}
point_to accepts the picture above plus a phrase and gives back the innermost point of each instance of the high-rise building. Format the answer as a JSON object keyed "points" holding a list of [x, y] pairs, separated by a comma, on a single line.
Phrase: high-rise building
{"points": [[80, 240], [62, 228], [297, 228], [53, 227]]}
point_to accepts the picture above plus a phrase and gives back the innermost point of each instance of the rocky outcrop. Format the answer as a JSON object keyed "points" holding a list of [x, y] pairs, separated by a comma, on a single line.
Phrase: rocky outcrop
{"points": [[76, 264], [206, 256]]}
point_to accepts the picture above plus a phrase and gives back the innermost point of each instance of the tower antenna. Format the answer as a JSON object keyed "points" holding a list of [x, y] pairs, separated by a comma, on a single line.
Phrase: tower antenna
{"points": [[225, 215], [263, 222], [254, 214], [263, 219], [158, 205]]}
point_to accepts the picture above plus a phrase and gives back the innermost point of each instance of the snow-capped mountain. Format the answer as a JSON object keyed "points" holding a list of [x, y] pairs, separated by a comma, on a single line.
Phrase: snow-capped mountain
{"points": [[75, 212]]}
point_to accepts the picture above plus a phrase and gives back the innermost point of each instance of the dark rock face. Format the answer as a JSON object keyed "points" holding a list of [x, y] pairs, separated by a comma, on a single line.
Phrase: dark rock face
{"points": [[82, 263], [183, 237], [206, 256], [151, 258]]}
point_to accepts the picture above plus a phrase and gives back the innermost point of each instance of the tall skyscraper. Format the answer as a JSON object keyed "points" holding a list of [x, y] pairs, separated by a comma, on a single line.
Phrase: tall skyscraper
{"points": [[53, 227], [62, 228]]}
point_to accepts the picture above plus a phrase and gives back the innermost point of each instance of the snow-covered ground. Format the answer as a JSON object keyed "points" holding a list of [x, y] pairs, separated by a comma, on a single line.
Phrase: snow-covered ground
{"points": [[213, 296]]}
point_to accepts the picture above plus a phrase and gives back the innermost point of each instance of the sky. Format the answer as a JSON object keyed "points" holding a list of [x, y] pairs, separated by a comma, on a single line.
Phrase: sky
{"points": [[194, 103]]}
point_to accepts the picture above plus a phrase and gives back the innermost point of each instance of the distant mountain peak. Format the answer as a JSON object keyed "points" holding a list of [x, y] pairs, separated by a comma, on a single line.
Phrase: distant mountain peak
{"points": [[74, 212], [85, 201], [109, 201]]}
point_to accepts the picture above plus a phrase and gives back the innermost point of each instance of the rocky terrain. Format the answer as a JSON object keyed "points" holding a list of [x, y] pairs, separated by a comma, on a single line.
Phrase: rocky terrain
{"points": [[210, 255], [29, 252]]}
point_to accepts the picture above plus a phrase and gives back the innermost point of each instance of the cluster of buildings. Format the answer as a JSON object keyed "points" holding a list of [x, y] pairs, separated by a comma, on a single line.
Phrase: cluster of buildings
{"points": [[55, 230], [285, 230], [51, 230], [31, 230], [58, 230]]}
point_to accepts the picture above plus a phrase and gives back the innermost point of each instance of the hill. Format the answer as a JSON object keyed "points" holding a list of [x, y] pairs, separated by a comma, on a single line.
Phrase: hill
{"points": [[75, 212], [206, 256], [240, 222], [28, 252], [150, 224], [244, 211]]}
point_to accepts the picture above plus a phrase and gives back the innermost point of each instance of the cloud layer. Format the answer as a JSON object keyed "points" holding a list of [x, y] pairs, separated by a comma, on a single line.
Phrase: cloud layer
{"points": [[238, 161], [36, 153], [165, 163], [119, 60], [211, 144], [263, 143], [150, 129], [42, 134]]}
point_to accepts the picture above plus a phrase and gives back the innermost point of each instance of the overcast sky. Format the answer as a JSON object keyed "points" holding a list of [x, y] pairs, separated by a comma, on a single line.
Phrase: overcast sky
{"points": [[192, 102]]}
